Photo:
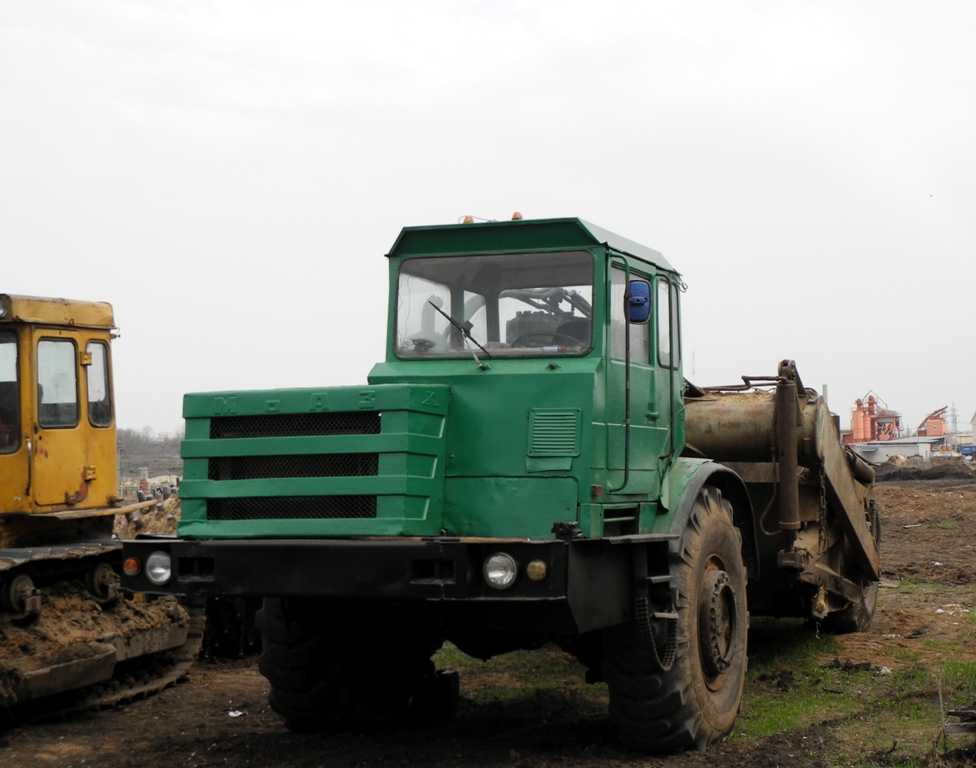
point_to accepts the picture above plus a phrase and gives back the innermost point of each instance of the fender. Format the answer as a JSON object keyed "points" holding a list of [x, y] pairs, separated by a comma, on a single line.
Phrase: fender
{"points": [[684, 480]]}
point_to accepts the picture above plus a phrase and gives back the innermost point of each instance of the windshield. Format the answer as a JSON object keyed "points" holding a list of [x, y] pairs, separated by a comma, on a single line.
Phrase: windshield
{"points": [[511, 305]]}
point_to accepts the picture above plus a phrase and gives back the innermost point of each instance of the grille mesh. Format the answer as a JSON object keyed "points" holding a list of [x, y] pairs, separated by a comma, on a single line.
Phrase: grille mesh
{"points": [[292, 508], [310, 465], [305, 465], [296, 425]]}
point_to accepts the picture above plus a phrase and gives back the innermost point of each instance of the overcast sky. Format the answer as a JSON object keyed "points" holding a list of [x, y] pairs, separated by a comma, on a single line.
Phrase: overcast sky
{"points": [[229, 175]]}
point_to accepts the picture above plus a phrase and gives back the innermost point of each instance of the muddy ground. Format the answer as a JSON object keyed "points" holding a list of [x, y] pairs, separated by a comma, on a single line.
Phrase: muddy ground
{"points": [[219, 715]]}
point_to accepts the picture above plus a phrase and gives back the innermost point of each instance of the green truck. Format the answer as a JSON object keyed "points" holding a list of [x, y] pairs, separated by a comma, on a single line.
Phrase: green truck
{"points": [[528, 465]]}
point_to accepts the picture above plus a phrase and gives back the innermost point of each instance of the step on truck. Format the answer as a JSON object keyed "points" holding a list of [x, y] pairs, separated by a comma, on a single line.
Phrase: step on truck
{"points": [[527, 465]]}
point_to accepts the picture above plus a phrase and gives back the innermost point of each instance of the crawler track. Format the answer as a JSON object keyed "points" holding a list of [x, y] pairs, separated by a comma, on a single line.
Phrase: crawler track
{"points": [[131, 678]]}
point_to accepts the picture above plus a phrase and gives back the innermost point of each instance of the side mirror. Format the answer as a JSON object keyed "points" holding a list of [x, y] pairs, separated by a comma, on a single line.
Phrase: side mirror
{"points": [[639, 302]]}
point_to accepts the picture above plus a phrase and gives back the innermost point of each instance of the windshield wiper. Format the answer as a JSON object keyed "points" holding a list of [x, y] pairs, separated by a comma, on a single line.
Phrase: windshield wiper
{"points": [[465, 332]]}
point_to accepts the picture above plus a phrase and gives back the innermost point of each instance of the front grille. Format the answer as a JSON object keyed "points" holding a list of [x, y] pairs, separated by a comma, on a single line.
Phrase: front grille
{"points": [[295, 425], [312, 465], [292, 508]]}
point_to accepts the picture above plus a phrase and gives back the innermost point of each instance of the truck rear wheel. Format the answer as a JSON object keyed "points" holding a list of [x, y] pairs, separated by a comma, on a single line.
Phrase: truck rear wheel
{"points": [[695, 702], [332, 665]]}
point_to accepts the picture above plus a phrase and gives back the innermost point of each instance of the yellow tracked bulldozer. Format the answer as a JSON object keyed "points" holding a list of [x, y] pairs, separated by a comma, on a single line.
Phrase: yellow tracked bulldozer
{"points": [[63, 624]]}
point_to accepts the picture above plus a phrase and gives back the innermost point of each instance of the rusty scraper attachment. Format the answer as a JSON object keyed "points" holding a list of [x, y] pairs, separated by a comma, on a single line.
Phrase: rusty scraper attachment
{"points": [[774, 432]]}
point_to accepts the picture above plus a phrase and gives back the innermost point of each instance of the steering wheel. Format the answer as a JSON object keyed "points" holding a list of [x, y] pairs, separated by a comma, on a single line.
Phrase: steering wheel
{"points": [[421, 345], [573, 342]]}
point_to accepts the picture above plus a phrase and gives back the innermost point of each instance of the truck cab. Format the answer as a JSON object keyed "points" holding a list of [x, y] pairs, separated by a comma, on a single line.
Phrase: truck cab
{"points": [[563, 365]]}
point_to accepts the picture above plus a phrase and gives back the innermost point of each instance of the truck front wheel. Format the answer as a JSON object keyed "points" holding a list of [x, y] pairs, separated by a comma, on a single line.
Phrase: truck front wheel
{"points": [[333, 665], [309, 686], [693, 703]]}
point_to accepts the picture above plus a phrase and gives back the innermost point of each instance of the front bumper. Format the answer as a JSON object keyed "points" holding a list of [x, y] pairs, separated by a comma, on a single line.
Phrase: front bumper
{"points": [[588, 583]]}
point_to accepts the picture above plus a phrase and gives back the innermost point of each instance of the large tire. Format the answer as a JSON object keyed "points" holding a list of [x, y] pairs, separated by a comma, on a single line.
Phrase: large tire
{"points": [[695, 702], [859, 614], [333, 665], [309, 687]]}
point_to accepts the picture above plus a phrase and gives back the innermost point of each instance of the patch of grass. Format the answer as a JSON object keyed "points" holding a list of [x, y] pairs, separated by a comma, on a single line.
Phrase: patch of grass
{"points": [[521, 675], [785, 642], [879, 719], [901, 722], [545, 664], [873, 719], [787, 687], [958, 682], [449, 657], [947, 525], [927, 590], [765, 715]]}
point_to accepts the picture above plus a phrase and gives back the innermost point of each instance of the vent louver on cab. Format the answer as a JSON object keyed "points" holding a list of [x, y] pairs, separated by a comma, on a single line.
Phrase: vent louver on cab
{"points": [[554, 432]]}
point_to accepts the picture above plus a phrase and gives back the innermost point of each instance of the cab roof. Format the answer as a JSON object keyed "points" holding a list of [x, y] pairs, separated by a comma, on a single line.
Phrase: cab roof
{"points": [[49, 311], [518, 235]]}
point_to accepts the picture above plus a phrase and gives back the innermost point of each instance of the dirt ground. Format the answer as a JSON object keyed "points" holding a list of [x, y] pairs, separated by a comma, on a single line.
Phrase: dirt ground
{"points": [[929, 538], [219, 715]]}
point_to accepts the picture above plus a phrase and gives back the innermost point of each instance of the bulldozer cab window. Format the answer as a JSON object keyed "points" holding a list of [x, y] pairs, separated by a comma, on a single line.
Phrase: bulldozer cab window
{"points": [[513, 305], [9, 394], [99, 399], [619, 323], [57, 383]]}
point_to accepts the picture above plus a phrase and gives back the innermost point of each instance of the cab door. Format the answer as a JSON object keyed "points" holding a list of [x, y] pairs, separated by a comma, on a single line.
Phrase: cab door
{"points": [[60, 429], [14, 477], [636, 456]]}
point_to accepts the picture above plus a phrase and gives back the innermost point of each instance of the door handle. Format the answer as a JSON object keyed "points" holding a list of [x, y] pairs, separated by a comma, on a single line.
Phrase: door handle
{"points": [[30, 465]]}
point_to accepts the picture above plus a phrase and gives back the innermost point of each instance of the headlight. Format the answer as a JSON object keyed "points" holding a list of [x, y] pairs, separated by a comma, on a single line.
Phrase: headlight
{"points": [[4, 309], [500, 571], [159, 567]]}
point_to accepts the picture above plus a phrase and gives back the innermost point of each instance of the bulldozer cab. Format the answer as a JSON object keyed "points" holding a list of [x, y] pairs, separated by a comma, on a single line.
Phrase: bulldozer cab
{"points": [[57, 426]]}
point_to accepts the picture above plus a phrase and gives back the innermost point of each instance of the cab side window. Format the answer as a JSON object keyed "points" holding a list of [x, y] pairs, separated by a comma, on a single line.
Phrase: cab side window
{"points": [[99, 398], [639, 334], [57, 383], [668, 338], [675, 327], [9, 394]]}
